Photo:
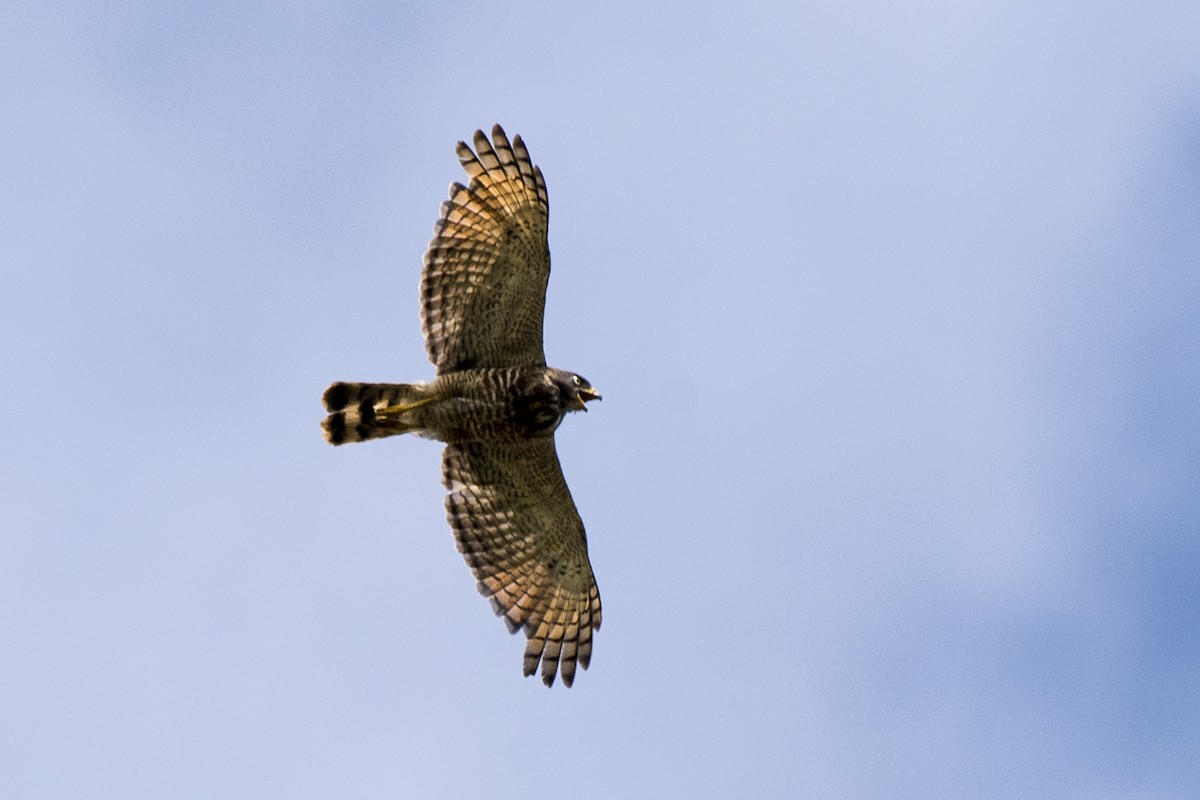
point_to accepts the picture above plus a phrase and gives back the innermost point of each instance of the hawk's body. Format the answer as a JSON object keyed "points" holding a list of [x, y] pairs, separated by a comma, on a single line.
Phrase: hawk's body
{"points": [[496, 405]]}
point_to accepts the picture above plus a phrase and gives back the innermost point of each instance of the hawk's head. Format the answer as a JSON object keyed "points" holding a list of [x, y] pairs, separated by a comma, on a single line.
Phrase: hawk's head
{"points": [[574, 390]]}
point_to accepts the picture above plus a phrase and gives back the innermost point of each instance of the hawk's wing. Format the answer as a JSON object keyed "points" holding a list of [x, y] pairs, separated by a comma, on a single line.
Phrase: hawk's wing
{"points": [[483, 289], [517, 527]]}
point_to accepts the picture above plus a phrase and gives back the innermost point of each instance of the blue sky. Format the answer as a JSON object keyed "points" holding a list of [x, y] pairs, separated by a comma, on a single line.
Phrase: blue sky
{"points": [[892, 493]]}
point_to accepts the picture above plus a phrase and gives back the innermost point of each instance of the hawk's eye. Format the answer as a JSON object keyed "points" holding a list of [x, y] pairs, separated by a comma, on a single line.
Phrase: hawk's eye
{"points": [[576, 379]]}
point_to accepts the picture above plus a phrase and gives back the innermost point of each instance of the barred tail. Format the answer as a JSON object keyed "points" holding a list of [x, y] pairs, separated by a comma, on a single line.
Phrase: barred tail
{"points": [[361, 411]]}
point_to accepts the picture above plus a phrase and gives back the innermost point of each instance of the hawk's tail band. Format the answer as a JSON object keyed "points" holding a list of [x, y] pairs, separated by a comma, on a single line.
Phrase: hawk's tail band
{"points": [[361, 411]]}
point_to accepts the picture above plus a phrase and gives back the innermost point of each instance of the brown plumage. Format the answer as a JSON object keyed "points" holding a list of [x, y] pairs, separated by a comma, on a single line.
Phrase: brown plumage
{"points": [[496, 405]]}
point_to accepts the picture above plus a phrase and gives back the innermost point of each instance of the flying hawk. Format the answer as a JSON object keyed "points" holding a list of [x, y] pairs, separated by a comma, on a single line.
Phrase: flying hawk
{"points": [[496, 406]]}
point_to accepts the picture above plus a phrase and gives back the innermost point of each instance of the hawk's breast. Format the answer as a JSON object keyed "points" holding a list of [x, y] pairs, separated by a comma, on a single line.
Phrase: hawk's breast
{"points": [[538, 409], [495, 404]]}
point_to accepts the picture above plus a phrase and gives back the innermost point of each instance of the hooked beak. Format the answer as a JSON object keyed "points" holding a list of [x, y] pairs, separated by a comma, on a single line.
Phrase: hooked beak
{"points": [[584, 395]]}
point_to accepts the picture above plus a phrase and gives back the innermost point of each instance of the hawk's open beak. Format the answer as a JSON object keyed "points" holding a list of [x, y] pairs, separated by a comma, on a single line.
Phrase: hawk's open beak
{"points": [[585, 395]]}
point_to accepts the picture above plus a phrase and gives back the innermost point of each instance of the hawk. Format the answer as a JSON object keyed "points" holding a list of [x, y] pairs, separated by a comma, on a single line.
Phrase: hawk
{"points": [[495, 404]]}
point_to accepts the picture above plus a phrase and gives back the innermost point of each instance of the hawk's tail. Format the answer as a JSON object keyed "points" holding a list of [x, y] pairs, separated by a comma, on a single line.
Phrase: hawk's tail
{"points": [[361, 411]]}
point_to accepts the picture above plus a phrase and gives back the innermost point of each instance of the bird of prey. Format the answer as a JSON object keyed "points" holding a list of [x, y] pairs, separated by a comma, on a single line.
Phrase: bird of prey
{"points": [[495, 404]]}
